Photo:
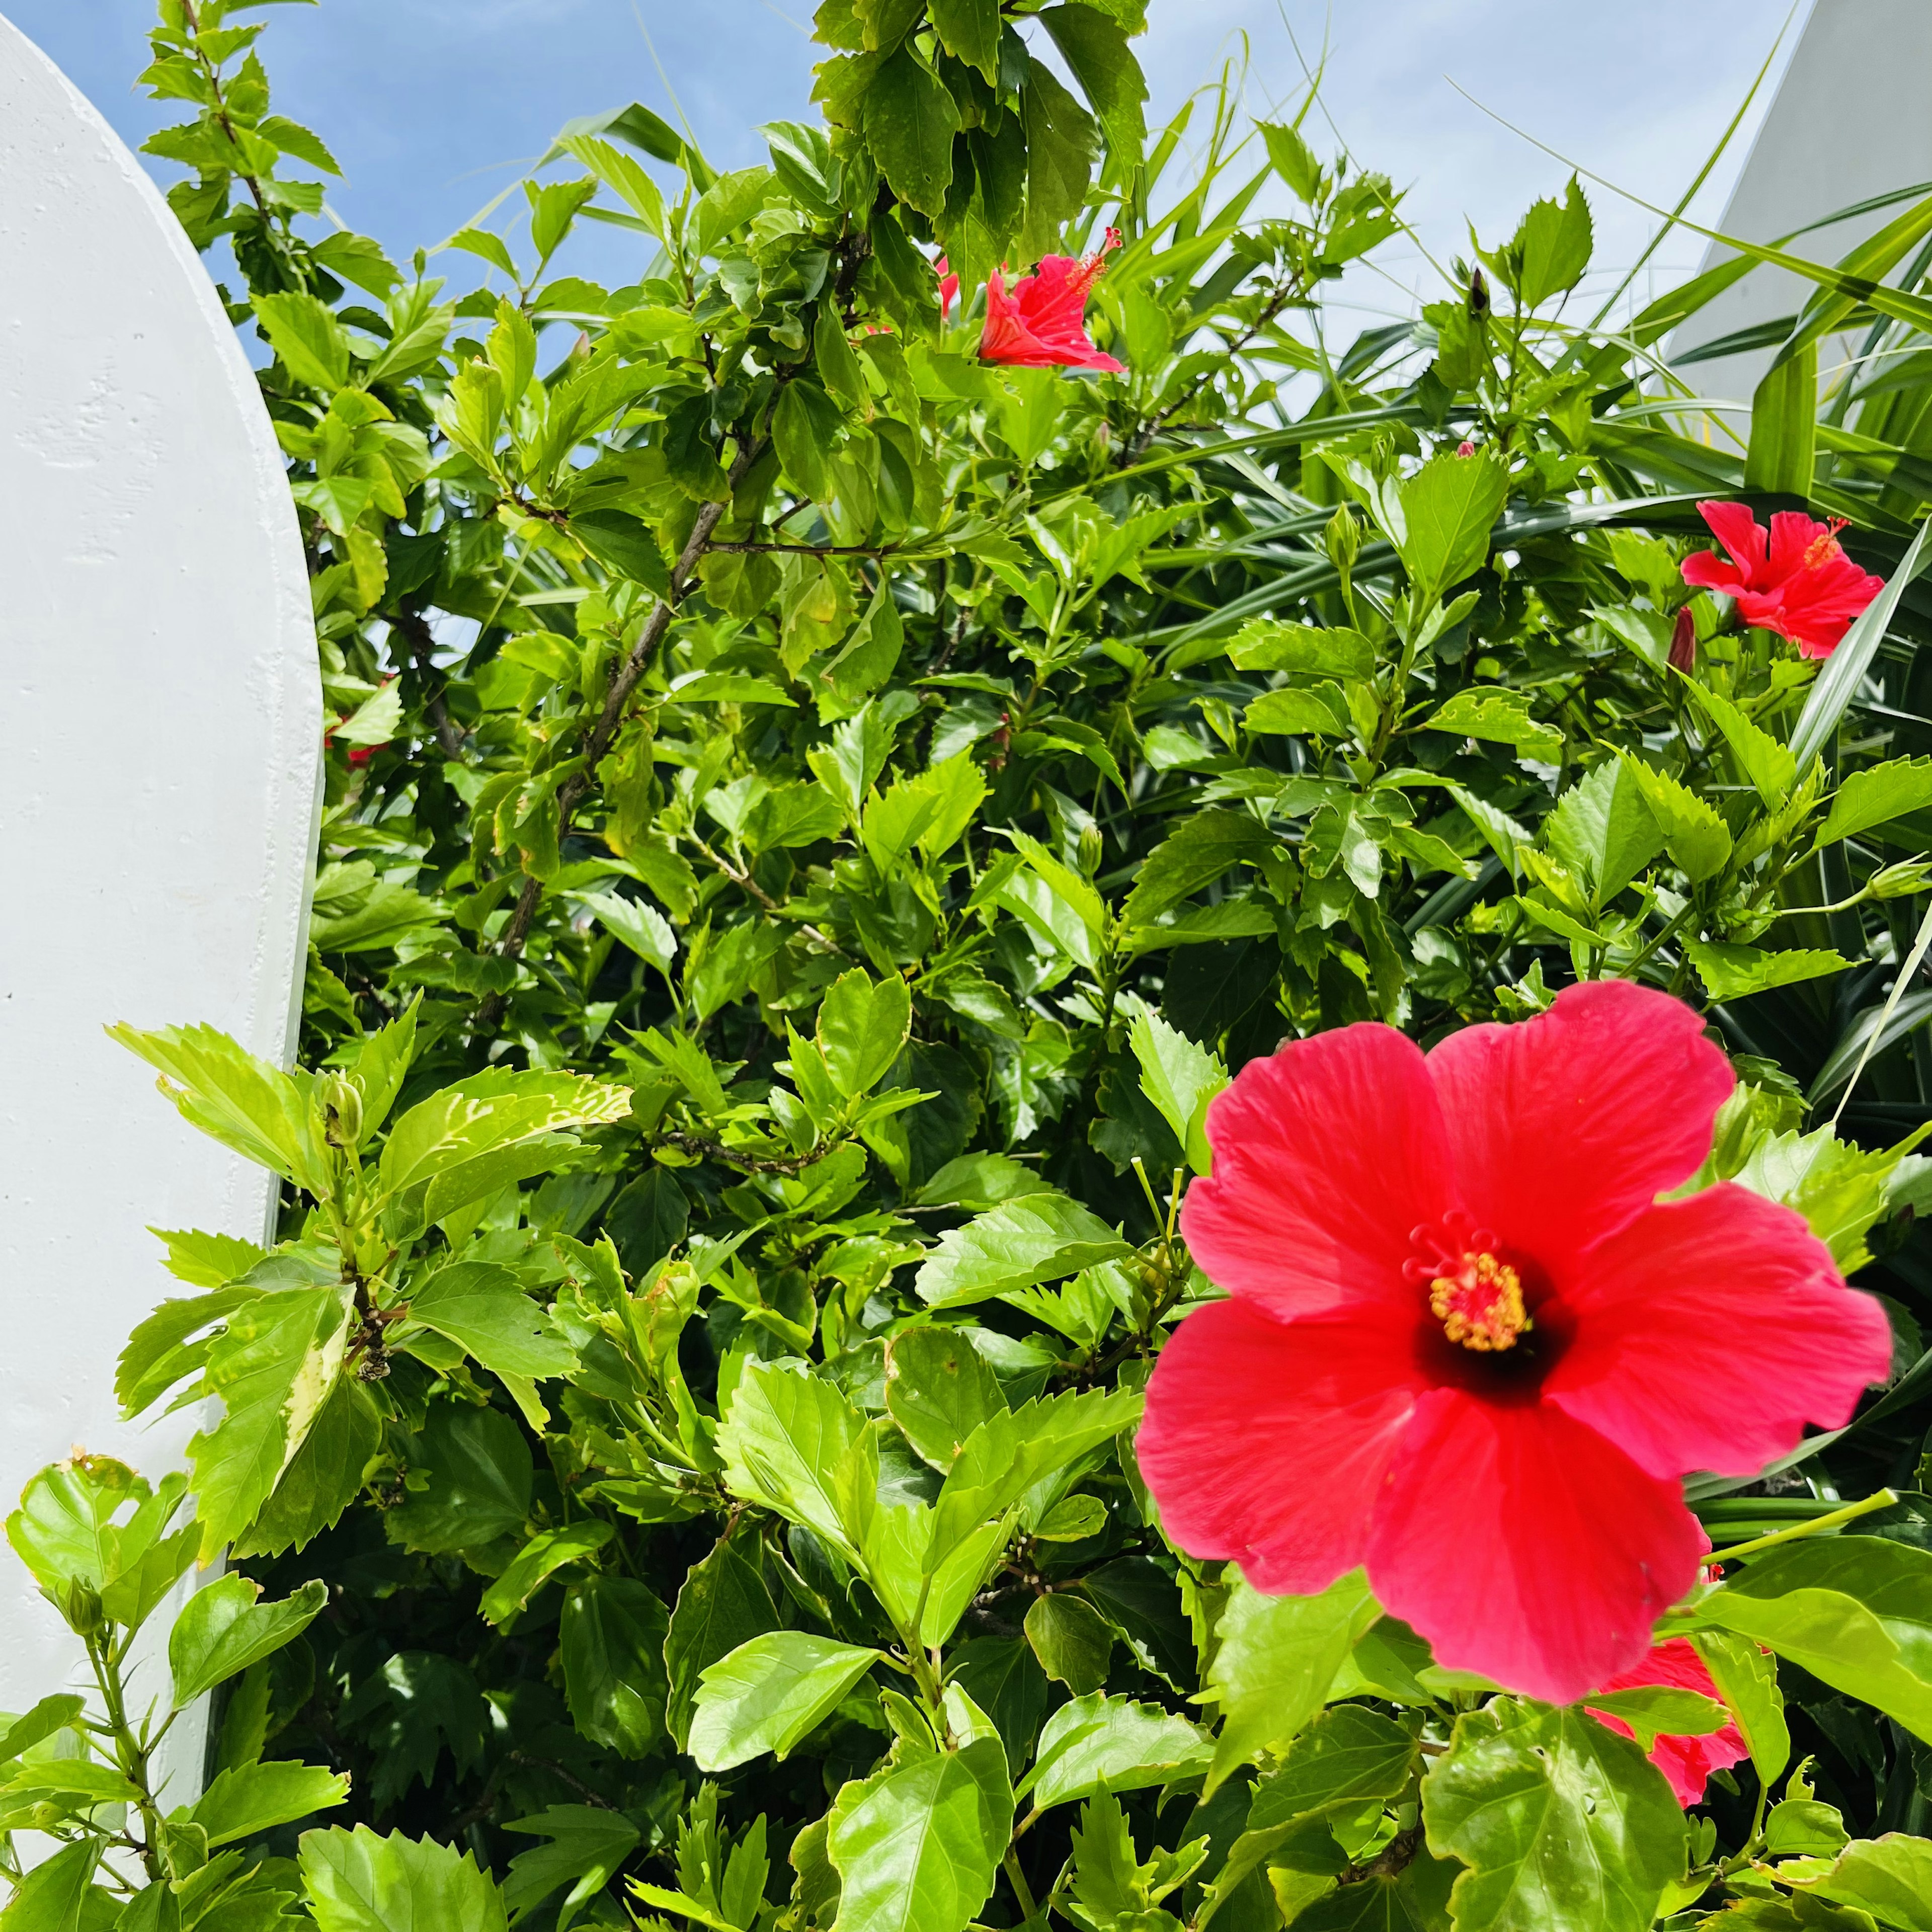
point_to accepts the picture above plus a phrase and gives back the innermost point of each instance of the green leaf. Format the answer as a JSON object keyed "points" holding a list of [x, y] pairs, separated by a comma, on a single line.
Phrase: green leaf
{"points": [[784, 1438], [1449, 507], [1891, 1878], [909, 119], [55, 1896], [1876, 795], [1651, 1709], [1565, 1826], [1321, 713], [246, 1800], [625, 177], [1348, 1754], [969, 30], [1291, 158], [1746, 1677], [930, 810], [1693, 834], [588, 1846], [49, 1717], [1603, 830], [1101, 1743], [222, 1630], [1095, 47], [1010, 1452], [768, 1693], [1499, 718], [1551, 247], [1071, 1639], [1200, 849], [66, 1528], [1275, 1658], [275, 1368], [1180, 1079], [357, 1881], [260, 1112], [1784, 426], [539, 1560], [917, 1847], [1062, 142], [1767, 764], [306, 337], [1734, 972], [479, 1476], [479, 1135], [862, 1028], [1308, 650], [723, 1604], [938, 1390], [611, 1641], [1856, 1611], [482, 1308], [1018, 1244]]}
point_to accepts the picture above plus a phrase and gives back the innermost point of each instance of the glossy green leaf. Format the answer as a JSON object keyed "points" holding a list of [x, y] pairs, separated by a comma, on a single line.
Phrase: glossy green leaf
{"points": [[767, 1694]]}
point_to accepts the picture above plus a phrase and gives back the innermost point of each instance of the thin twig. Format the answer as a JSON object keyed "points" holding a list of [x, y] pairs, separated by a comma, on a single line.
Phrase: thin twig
{"points": [[571, 794], [413, 628], [750, 1163]]}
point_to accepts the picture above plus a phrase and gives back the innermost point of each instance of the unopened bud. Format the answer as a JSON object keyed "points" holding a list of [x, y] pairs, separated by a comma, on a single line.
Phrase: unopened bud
{"points": [[1479, 294], [1684, 642], [1466, 448], [1343, 538], [343, 1101], [1091, 849], [1901, 880], [82, 1610]]}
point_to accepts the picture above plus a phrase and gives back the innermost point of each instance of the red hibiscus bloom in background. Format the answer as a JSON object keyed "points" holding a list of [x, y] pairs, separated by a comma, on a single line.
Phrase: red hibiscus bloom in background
{"points": [[1466, 1346], [948, 288], [1041, 323], [1794, 579], [1687, 1762]]}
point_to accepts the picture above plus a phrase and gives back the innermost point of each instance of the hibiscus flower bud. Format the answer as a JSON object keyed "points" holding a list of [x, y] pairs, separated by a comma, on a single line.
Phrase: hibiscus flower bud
{"points": [[1343, 540], [1479, 294], [1466, 448], [1684, 642]]}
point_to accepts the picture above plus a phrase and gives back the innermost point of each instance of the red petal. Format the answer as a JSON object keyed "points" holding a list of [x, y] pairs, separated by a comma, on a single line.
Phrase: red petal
{"points": [[1687, 1762], [1527, 1547], [1566, 1125], [1742, 535], [1327, 1155], [1708, 571], [1709, 1331], [1269, 1442]]}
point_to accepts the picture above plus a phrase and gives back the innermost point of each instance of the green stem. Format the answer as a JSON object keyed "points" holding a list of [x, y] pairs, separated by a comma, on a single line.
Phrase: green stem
{"points": [[1022, 1890], [1883, 1499]]}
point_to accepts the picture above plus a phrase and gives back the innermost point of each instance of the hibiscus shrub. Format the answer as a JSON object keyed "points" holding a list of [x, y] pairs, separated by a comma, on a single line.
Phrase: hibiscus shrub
{"points": [[1087, 1084]]}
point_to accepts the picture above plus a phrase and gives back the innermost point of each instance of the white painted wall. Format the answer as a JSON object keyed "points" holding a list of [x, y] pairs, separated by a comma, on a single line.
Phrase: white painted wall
{"points": [[1852, 119], [160, 730]]}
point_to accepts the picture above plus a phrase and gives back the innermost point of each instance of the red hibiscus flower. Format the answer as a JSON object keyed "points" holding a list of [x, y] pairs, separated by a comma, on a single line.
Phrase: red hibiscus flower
{"points": [[948, 288], [1041, 323], [1793, 579], [1687, 1762], [1468, 1349]]}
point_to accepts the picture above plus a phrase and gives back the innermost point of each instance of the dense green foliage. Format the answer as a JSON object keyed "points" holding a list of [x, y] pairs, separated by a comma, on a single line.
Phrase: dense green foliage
{"points": [[815, 821]]}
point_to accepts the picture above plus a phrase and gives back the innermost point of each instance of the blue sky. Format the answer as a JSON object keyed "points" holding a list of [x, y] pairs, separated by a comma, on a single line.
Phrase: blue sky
{"points": [[433, 105]]}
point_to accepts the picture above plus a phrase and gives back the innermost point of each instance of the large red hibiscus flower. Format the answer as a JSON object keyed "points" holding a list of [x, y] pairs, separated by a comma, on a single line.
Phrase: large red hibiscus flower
{"points": [[1795, 578], [1687, 1761], [1468, 1347], [1041, 322]]}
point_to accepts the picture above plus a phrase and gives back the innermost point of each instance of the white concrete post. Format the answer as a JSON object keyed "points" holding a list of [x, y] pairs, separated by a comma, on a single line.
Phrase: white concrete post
{"points": [[160, 731], [1849, 122]]}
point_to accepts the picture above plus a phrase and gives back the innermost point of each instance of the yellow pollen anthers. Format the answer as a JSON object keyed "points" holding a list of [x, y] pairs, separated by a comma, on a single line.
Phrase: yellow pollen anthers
{"points": [[1481, 1305]]}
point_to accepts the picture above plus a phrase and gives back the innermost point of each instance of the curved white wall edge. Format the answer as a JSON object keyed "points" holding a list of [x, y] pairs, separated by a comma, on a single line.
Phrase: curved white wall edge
{"points": [[1848, 122], [160, 712]]}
